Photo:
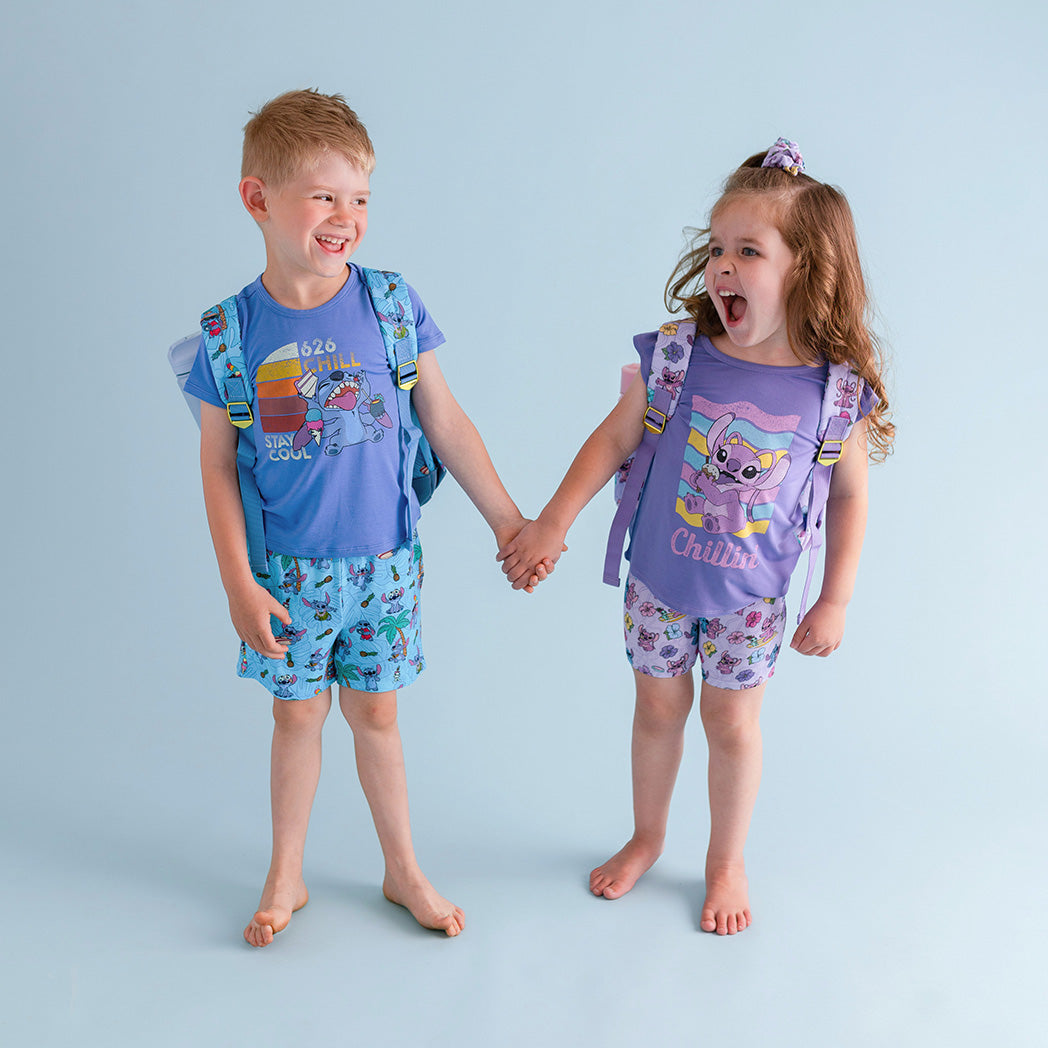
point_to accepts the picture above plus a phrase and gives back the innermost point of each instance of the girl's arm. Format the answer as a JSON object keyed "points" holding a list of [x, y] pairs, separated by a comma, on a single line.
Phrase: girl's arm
{"points": [[822, 628], [458, 444], [250, 605], [610, 444]]}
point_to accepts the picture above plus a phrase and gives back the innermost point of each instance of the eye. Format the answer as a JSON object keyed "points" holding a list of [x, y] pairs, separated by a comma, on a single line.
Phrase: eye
{"points": [[324, 196], [750, 252], [716, 252]]}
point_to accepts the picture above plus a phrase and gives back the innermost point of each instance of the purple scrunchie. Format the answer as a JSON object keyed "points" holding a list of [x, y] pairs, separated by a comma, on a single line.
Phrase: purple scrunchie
{"points": [[785, 154]]}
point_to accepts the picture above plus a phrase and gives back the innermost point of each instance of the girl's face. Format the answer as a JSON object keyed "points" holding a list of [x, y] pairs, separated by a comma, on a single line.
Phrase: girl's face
{"points": [[746, 278]]}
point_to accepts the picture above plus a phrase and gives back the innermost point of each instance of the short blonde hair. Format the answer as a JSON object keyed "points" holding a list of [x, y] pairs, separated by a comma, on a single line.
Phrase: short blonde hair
{"points": [[292, 132]]}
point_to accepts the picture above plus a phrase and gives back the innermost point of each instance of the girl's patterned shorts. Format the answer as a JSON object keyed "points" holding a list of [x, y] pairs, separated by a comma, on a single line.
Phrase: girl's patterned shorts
{"points": [[735, 650], [354, 622]]}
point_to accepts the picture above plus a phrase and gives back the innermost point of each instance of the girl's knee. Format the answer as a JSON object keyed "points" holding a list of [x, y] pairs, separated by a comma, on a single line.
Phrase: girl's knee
{"points": [[664, 701], [730, 715]]}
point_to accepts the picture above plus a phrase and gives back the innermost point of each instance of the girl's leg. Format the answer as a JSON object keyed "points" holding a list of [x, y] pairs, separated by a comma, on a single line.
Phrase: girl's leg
{"points": [[732, 723], [294, 773], [663, 705], [380, 765]]}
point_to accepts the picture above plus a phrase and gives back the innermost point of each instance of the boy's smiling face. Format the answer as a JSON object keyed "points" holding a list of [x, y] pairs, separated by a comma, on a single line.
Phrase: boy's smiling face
{"points": [[311, 226]]}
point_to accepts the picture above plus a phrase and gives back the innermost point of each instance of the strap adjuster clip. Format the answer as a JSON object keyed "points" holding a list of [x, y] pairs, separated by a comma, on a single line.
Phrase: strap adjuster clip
{"points": [[830, 452], [239, 413], [655, 420], [407, 374]]}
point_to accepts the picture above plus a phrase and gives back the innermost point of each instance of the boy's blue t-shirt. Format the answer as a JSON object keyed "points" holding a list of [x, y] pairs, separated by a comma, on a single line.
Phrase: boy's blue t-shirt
{"points": [[326, 421]]}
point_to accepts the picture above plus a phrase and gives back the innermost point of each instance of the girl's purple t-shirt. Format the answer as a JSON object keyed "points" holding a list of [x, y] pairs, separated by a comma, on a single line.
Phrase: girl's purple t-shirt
{"points": [[326, 423], [721, 518]]}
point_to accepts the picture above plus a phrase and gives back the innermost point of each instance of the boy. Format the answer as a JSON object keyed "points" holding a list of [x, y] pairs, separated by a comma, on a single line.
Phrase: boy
{"points": [[346, 569]]}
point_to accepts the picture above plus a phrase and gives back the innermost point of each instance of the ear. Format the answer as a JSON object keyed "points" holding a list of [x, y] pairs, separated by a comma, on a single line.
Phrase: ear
{"points": [[253, 194]]}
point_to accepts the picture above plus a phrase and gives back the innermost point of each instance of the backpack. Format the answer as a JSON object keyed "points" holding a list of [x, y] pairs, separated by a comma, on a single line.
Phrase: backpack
{"points": [[221, 330], [840, 401]]}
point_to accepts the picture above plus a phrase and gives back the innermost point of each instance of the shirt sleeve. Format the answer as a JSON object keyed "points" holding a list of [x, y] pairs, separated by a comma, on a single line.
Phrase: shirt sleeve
{"points": [[201, 380], [868, 400], [427, 333], [645, 346]]}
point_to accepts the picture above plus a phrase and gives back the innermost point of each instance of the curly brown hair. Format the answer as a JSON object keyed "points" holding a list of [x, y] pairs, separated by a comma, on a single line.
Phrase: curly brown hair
{"points": [[827, 308]]}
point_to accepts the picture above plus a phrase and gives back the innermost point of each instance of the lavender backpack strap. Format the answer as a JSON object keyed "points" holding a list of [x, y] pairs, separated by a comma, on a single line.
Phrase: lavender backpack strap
{"points": [[840, 411], [674, 344]]}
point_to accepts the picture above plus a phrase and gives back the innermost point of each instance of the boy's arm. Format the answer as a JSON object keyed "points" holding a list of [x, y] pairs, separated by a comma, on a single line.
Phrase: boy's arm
{"points": [[822, 628], [458, 444], [250, 605], [610, 444]]}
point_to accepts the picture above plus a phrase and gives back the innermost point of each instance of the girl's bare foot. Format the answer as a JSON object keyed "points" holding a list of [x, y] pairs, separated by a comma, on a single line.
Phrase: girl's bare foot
{"points": [[622, 871], [726, 909], [423, 902], [277, 905]]}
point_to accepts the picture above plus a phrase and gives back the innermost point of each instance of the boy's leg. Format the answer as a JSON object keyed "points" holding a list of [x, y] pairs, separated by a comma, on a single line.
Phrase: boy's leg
{"points": [[731, 720], [663, 705], [380, 765], [294, 773]]}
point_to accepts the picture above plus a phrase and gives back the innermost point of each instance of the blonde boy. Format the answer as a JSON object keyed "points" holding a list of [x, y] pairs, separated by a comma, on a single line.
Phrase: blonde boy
{"points": [[345, 568]]}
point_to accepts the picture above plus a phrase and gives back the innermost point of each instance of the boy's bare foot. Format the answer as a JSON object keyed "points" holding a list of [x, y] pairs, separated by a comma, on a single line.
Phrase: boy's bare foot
{"points": [[726, 908], [622, 871], [424, 903], [274, 911]]}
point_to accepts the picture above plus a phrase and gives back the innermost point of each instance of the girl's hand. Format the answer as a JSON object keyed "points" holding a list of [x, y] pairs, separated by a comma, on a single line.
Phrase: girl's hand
{"points": [[821, 630], [532, 554], [249, 609]]}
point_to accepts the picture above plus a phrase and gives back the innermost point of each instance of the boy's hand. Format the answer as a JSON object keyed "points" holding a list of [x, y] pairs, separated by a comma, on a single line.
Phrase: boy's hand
{"points": [[532, 554], [249, 609], [540, 571], [821, 630]]}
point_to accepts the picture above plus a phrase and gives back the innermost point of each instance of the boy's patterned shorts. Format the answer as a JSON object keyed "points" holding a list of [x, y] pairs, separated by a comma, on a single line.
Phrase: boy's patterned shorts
{"points": [[735, 650], [354, 622]]}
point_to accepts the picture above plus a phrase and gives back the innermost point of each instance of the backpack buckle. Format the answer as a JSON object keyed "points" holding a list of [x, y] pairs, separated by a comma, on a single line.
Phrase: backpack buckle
{"points": [[655, 420], [407, 374], [239, 413], [830, 455]]}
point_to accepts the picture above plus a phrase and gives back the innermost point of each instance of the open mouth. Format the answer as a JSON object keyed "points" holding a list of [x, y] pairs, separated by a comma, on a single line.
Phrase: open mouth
{"points": [[734, 307], [343, 396], [332, 245]]}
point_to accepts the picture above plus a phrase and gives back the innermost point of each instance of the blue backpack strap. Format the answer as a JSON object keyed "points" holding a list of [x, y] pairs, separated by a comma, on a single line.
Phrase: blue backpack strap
{"points": [[221, 328], [663, 397], [839, 412], [396, 321]]}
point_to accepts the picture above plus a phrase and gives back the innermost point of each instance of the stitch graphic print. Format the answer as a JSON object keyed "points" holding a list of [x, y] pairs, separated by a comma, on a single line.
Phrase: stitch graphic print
{"points": [[311, 399], [735, 459]]}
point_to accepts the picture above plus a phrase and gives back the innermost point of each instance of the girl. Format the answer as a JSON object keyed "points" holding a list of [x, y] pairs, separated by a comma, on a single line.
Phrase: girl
{"points": [[774, 291]]}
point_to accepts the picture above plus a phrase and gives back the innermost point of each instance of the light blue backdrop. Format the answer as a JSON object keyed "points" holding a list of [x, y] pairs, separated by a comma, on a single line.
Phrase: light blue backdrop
{"points": [[536, 165]]}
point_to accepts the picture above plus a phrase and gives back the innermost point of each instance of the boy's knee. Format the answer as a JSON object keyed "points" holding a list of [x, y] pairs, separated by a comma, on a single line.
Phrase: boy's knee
{"points": [[369, 712], [301, 714]]}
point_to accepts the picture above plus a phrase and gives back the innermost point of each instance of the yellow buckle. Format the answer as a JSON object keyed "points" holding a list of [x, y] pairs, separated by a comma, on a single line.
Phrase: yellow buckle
{"points": [[408, 380], [653, 423], [829, 456], [243, 413]]}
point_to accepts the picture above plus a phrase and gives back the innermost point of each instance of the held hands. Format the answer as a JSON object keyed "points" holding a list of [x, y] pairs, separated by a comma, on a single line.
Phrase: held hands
{"points": [[821, 630], [529, 557], [249, 609]]}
